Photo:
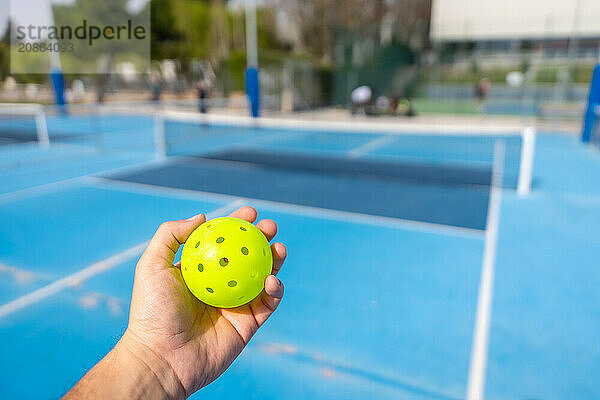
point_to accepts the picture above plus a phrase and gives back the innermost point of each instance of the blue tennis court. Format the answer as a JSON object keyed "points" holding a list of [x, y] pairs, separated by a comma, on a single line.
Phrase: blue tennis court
{"points": [[387, 236]]}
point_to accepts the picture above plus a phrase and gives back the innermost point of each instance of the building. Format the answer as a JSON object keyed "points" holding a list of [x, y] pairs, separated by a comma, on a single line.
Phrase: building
{"points": [[546, 29]]}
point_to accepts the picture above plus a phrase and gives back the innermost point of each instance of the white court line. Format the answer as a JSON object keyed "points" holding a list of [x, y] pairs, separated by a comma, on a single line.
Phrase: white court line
{"points": [[371, 145], [91, 271], [71, 280], [481, 331], [315, 212]]}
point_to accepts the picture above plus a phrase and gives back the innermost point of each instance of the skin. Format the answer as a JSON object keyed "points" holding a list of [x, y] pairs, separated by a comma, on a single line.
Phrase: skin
{"points": [[174, 344]]}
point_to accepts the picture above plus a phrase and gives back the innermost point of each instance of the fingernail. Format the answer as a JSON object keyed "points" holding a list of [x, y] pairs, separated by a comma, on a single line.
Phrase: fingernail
{"points": [[279, 292], [194, 217]]}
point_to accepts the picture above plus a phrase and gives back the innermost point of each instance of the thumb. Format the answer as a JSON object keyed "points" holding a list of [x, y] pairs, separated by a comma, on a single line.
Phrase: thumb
{"points": [[168, 238]]}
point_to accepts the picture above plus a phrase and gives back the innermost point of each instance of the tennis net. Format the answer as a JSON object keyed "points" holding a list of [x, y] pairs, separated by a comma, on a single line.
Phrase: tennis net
{"points": [[23, 123], [437, 154]]}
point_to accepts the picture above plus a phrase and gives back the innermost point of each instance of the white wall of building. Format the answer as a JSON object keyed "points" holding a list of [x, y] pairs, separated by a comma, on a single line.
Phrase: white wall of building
{"points": [[456, 20]]}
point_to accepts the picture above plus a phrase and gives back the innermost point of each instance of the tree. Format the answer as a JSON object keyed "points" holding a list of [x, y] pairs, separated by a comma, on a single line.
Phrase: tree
{"points": [[316, 21], [164, 32]]}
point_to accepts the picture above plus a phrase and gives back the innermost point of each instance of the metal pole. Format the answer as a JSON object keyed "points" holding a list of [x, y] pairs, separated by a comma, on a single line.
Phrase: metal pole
{"points": [[252, 81], [572, 49], [54, 55], [251, 36]]}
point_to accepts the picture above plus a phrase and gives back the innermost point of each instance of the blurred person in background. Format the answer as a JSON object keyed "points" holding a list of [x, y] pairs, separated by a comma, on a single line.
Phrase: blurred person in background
{"points": [[155, 90], [361, 98], [202, 87], [104, 68], [482, 90]]}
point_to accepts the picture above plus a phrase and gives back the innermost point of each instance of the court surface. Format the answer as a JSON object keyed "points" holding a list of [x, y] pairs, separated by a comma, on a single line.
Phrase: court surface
{"points": [[383, 273]]}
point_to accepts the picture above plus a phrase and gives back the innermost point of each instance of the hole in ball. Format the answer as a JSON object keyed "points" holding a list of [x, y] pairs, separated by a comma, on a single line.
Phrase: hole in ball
{"points": [[232, 283], [223, 261], [197, 244], [200, 267], [209, 290], [245, 251], [220, 239], [264, 254], [242, 228]]}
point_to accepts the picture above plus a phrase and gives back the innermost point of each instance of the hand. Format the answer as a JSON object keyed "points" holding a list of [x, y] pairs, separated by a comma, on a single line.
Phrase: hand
{"points": [[175, 344], [198, 341]]}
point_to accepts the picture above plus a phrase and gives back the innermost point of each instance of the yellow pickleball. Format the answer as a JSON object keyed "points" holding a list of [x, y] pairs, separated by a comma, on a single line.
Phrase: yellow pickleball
{"points": [[225, 262]]}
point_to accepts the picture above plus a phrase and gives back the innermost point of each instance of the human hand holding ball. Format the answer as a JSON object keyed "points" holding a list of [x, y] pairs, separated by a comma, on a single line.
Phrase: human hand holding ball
{"points": [[193, 341]]}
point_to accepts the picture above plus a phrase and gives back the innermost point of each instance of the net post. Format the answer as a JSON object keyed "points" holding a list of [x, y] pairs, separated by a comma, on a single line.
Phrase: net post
{"points": [[160, 143], [41, 127], [526, 162]]}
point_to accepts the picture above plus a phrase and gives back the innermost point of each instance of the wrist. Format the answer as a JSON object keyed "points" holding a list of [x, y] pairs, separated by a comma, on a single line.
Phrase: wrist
{"points": [[153, 376], [129, 371]]}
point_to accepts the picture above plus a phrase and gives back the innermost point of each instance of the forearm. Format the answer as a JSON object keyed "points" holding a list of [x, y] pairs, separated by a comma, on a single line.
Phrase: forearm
{"points": [[130, 371]]}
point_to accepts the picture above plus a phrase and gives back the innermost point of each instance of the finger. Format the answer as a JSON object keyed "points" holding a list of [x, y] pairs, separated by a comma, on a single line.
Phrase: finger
{"points": [[167, 240], [268, 227], [247, 213], [279, 254], [266, 303], [274, 289]]}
